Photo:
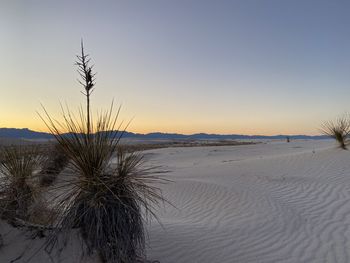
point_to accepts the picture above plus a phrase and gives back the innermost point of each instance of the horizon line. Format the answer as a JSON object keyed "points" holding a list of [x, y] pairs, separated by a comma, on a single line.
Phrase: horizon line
{"points": [[186, 134]]}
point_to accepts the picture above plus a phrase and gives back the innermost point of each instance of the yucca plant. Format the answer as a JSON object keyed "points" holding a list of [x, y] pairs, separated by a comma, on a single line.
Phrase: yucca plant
{"points": [[17, 193], [108, 202], [338, 129]]}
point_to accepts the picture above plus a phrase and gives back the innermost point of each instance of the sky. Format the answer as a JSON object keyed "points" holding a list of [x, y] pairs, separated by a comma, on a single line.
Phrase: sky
{"points": [[185, 66]]}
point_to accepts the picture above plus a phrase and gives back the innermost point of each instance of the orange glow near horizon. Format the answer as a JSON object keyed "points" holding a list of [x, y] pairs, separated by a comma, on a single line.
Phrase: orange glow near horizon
{"points": [[153, 126], [186, 120]]}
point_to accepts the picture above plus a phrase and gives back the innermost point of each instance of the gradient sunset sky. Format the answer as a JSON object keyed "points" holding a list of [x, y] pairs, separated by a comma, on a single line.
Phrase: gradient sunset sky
{"points": [[231, 67]]}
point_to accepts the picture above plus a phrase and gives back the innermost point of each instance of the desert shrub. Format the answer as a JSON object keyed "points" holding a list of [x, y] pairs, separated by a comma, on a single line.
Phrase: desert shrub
{"points": [[17, 194], [56, 161], [338, 129], [107, 201]]}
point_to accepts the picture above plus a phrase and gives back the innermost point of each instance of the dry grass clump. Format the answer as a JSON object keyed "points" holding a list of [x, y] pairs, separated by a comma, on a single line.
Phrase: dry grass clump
{"points": [[339, 130], [17, 193], [56, 161]]}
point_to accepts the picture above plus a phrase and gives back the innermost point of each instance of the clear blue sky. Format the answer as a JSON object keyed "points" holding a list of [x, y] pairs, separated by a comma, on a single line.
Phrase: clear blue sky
{"points": [[239, 66]]}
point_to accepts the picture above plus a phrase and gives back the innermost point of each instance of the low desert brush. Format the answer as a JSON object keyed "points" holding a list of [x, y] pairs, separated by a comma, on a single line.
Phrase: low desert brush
{"points": [[338, 129], [17, 192], [56, 161]]}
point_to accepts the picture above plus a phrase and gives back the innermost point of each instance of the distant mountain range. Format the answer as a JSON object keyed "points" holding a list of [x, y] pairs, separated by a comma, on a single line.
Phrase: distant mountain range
{"points": [[29, 134]]}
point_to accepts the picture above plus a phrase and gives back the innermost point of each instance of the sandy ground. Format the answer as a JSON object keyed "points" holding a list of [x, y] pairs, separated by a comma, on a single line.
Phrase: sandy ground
{"points": [[274, 202], [270, 202]]}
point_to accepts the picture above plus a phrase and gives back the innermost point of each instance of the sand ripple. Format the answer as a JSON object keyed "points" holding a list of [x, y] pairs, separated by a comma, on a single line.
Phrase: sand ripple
{"points": [[257, 203]]}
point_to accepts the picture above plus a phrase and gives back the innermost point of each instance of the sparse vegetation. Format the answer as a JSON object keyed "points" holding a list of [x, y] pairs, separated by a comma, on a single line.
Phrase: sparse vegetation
{"points": [[17, 194], [107, 202], [56, 161], [339, 130]]}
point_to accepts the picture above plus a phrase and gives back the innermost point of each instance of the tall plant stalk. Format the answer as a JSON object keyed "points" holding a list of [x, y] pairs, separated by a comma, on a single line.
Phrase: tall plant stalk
{"points": [[88, 82]]}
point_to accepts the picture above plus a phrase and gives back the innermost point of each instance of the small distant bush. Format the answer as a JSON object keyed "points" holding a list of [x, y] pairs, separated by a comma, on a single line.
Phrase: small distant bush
{"points": [[56, 161], [339, 130]]}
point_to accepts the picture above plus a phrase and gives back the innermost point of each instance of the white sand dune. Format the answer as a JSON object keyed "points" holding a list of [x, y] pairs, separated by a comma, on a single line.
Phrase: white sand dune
{"points": [[274, 202]]}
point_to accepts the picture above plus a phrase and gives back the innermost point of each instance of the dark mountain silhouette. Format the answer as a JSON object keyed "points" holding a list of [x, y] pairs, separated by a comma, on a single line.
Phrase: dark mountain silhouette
{"points": [[23, 134], [29, 134]]}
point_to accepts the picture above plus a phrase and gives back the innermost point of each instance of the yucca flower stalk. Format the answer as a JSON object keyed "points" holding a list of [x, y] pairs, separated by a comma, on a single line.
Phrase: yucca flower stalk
{"points": [[87, 81], [338, 129]]}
